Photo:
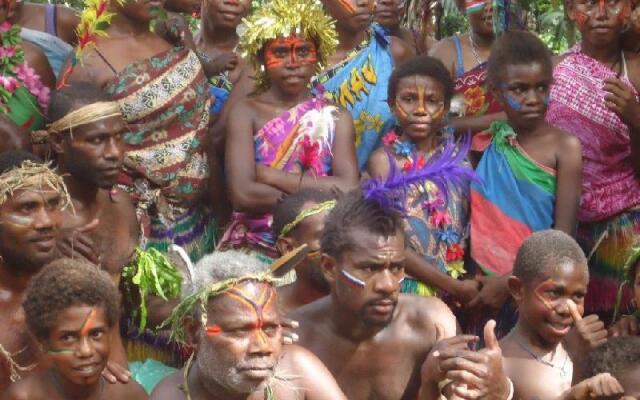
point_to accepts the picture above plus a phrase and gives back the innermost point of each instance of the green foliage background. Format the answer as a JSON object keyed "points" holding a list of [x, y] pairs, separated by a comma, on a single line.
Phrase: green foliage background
{"points": [[545, 17]]}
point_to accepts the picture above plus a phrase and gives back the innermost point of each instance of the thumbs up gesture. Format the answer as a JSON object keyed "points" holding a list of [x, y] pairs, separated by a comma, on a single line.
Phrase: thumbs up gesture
{"points": [[587, 333]]}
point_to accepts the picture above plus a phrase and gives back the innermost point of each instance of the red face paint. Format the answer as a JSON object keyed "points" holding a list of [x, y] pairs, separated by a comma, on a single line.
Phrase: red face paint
{"points": [[581, 19], [265, 300], [293, 49], [346, 5], [213, 330], [541, 289]]}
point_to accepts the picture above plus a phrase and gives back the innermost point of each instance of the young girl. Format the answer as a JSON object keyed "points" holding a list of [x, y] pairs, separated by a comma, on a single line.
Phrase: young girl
{"points": [[420, 91], [70, 308]]}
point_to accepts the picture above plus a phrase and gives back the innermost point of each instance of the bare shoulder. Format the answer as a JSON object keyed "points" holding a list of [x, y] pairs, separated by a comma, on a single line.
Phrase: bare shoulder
{"points": [[169, 388], [378, 164], [297, 358], [28, 388], [130, 391], [310, 315], [400, 50], [443, 49], [67, 22], [92, 68], [566, 143], [37, 60], [122, 203], [423, 313]]}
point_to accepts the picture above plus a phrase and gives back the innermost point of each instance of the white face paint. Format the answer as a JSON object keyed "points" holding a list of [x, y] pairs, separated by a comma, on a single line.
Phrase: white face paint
{"points": [[17, 220], [353, 279]]}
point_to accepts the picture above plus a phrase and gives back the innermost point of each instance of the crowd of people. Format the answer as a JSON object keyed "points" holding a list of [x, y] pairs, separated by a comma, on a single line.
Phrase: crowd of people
{"points": [[304, 199]]}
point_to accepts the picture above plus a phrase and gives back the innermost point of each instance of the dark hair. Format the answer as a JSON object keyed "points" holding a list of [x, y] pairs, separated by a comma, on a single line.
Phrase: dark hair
{"points": [[354, 212], [517, 48], [421, 66], [11, 159], [544, 250], [63, 100], [290, 206], [65, 283], [616, 356]]}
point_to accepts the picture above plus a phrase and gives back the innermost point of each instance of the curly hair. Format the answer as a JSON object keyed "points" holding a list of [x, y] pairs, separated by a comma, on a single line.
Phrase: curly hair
{"points": [[517, 48], [616, 356], [421, 66], [65, 283], [354, 212], [544, 250]]}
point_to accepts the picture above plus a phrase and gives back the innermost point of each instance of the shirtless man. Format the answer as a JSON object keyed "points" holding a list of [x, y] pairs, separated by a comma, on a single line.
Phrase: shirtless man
{"points": [[89, 154], [30, 216], [365, 325], [299, 219], [239, 352]]}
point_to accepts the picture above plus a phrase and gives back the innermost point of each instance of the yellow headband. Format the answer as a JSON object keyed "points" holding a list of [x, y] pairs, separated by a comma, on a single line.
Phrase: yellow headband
{"points": [[86, 115], [32, 175], [317, 209]]}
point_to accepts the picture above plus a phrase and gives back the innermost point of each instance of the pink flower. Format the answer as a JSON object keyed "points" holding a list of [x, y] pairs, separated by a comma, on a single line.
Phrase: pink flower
{"points": [[309, 156], [433, 205], [5, 26], [7, 52], [390, 138], [32, 82], [440, 218], [9, 83]]}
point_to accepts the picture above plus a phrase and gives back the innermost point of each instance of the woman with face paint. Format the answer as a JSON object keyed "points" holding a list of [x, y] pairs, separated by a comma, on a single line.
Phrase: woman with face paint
{"points": [[70, 308], [294, 140], [436, 223], [595, 98]]}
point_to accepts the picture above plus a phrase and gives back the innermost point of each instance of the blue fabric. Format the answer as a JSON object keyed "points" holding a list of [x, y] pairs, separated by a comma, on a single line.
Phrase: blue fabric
{"points": [[459, 58], [149, 373], [55, 49], [219, 96], [360, 85], [50, 16]]}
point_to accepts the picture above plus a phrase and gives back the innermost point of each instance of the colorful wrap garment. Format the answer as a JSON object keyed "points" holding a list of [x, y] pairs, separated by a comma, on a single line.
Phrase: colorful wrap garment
{"points": [[435, 225], [359, 84], [278, 144], [165, 102], [55, 49], [220, 88], [23, 110], [516, 197], [609, 213], [473, 97]]}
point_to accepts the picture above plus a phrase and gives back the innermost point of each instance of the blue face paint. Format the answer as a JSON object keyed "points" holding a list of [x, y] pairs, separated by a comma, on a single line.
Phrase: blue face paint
{"points": [[353, 279], [546, 100], [513, 103]]}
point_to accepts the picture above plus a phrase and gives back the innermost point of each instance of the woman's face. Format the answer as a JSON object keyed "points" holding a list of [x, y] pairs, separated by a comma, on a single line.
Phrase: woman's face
{"points": [[600, 22], [226, 13], [140, 10], [481, 20]]}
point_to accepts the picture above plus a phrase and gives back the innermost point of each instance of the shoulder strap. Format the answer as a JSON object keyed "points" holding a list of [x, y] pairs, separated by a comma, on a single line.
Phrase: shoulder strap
{"points": [[459, 58], [50, 16]]}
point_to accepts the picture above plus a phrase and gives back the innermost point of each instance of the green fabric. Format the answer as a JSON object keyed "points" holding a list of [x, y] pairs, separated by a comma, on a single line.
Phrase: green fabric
{"points": [[522, 166], [414, 286], [149, 373], [24, 111]]}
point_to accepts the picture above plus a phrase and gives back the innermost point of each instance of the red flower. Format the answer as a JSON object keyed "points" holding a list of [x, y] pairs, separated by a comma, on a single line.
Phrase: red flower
{"points": [[390, 138], [440, 218], [421, 162], [102, 7], [407, 165], [309, 156], [455, 252]]}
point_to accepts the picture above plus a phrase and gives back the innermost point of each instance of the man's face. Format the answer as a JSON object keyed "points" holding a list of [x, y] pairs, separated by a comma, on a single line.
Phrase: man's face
{"points": [[94, 152], [600, 22], [79, 344], [226, 13], [29, 223], [367, 279], [545, 301], [240, 346]]}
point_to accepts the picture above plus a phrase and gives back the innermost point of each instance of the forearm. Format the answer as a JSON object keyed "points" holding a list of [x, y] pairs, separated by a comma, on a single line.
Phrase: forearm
{"points": [[428, 391], [420, 269], [254, 197], [290, 183], [463, 125]]}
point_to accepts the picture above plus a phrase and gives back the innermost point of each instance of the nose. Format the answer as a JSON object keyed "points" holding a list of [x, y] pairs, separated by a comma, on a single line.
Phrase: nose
{"points": [[85, 349], [601, 10], [532, 97], [46, 219], [113, 149], [385, 282], [562, 308], [260, 343]]}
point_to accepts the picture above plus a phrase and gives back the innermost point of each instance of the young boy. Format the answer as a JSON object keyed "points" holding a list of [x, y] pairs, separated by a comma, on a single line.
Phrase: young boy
{"points": [[70, 308], [436, 223], [283, 138], [529, 172], [548, 284], [619, 357]]}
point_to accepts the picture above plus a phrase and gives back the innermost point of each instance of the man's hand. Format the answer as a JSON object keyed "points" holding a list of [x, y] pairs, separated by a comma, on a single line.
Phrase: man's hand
{"points": [[601, 386], [493, 294], [115, 373], [446, 354], [627, 326], [223, 62], [586, 334], [621, 100], [77, 242]]}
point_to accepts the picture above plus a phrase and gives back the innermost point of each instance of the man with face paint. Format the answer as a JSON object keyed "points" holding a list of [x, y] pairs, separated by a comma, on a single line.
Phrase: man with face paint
{"points": [[299, 219], [31, 199], [295, 140], [595, 98], [231, 317], [374, 340], [70, 307], [549, 283], [538, 165]]}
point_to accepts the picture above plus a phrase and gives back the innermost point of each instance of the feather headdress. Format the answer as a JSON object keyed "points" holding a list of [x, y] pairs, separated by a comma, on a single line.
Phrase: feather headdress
{"points": [[282, 18], [444, 169]]}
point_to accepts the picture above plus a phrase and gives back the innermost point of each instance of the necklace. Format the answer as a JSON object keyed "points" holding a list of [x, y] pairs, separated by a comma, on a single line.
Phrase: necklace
{"points": [[474, 50], [539, 359], [61, 391]]}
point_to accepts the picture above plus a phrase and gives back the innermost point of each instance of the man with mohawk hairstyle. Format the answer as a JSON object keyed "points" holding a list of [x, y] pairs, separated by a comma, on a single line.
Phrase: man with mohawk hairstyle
{"points": [[229, 313], [298, 141]]}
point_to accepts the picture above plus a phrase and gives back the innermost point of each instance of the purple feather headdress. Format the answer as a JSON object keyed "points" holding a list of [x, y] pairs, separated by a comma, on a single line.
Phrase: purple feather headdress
{"points": [[443, 169]]}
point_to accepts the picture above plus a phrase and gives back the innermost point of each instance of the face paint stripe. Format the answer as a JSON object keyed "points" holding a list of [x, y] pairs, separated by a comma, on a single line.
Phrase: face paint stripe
{"points": [[88, 323], [353, 279]]}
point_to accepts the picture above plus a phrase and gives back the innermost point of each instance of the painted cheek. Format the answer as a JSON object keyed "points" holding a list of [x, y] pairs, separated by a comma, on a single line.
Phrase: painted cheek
{"points": [[19, 221], [401, 110], [539, 293], [581, 19], [213, 330], [354, 281], [272, 61], [513, 103], [347, 6]]}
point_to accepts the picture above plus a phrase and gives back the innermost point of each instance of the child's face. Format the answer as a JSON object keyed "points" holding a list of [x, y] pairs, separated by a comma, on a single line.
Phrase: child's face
{"points": [[290, 63], [524, 93], [79, 344], [543, 303], [600, 22], [351, 15], [419, 106]]}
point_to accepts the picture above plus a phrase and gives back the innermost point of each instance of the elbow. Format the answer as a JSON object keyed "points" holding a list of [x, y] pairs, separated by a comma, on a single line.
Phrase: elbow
{"points": [[241, 200]]}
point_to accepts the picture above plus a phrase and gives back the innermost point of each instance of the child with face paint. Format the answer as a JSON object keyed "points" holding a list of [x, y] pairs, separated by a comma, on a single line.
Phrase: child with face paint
{"points": [[594, 97], [295, 140], [530, 171], [548, 284], [629, 325], [436, 223], [70, 308]]}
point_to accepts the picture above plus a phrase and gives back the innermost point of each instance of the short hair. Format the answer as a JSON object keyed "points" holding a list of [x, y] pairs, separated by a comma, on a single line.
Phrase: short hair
{"points": [[546, 249], [422, 66], [11, 159], [517, 48], [290, 206], [354, 212], [65, 283], [616, 356], [220, 266], [63, 100]]}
